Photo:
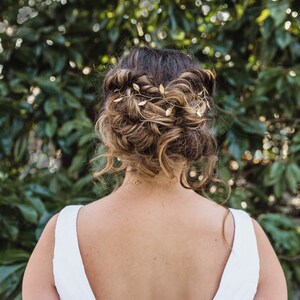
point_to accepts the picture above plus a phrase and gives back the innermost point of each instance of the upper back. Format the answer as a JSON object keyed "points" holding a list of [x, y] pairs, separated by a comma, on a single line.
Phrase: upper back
{"points": [[155, 252]]}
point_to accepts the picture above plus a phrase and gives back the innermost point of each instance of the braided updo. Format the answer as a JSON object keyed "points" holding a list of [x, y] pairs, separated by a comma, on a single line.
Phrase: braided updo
{"points": [[155, 115]]}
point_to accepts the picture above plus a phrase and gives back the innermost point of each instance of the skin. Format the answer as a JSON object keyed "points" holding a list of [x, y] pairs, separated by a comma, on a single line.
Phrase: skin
{"points": [[157, 240]]}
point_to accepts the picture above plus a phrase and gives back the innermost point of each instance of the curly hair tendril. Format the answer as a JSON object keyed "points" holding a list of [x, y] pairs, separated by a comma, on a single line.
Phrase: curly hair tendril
{"points": [[155, 114]]}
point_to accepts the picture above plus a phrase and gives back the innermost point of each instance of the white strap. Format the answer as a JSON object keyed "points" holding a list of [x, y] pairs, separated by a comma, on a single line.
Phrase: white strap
{"points": [[69, 274], [239, 279], [241, 274]]}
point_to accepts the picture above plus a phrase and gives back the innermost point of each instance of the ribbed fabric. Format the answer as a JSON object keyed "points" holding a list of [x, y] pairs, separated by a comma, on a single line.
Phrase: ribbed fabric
{"points": [[239, 280]]}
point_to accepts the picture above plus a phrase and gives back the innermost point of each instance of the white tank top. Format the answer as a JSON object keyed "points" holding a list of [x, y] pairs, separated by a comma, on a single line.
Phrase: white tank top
{"points": [[238, 282]]}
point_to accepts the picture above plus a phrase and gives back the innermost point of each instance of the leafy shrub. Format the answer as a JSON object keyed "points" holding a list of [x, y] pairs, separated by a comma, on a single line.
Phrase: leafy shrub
{"points": [[50, 54]]}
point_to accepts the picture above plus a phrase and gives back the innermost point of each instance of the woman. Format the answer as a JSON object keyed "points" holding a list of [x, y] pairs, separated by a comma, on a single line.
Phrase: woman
{"points": [[155, 237]]}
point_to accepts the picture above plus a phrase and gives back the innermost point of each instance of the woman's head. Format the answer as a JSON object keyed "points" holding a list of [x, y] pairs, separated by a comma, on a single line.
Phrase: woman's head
{"points": [[154, 116]]}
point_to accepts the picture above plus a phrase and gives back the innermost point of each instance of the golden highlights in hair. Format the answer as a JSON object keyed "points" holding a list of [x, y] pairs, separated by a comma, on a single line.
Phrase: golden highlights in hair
{"points": [[155, 116]]}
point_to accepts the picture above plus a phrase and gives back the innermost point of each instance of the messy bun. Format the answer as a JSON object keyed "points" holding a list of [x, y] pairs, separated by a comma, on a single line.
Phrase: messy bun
{"points": [[156, 116]]}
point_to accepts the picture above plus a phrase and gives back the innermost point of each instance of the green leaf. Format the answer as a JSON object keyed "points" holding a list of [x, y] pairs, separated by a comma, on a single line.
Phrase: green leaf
{"points": [[277, 11], [11, 256], [28, 213], [67, 128], [7, 271], [252, 126], [20, 147], [28, 34], [51, 126], [10, 278], [237, 145], [82, 182], [51, 104], [78, 161], [76, 56], [292, 176], [296, 268], [71, 101], [274, 175], [9, 228], [36, 203], [283, 38], [267, 28], [270, 73], [58, 39], [281, 84], [283, 233], [47, 86], [288, 274], [38, 189], [41, 224], [279, 188]]}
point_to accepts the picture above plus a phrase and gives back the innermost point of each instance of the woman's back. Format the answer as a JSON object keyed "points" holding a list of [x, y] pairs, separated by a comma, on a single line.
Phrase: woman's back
{"points": [[166, 246], [155, 238]]}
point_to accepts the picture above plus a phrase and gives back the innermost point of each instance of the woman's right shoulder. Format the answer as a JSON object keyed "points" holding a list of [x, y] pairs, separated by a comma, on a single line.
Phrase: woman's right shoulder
{"points": [[272, 282]]}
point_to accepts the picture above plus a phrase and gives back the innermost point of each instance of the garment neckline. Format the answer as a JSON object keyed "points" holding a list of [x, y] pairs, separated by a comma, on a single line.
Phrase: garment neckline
{"points": [[230, 258], [227, 265]]}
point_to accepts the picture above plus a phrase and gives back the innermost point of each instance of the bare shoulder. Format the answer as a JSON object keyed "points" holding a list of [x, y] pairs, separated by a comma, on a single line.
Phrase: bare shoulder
{"points": [[38, 280], [272, 282]]}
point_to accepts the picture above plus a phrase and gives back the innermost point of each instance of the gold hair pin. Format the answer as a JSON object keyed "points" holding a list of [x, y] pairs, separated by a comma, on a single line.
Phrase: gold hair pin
{"points": [[200, 108]]}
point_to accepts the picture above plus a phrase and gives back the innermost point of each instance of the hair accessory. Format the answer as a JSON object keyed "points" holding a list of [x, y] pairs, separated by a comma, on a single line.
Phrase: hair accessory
{"points": [[169, 111], [118, 99], [200, 111], [200, 108], [161, 89], [208, 105], [136, 87], [142, 103]]}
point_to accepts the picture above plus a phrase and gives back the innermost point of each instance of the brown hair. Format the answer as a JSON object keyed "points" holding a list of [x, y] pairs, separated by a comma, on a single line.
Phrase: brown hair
{"points": [[156, 114]]}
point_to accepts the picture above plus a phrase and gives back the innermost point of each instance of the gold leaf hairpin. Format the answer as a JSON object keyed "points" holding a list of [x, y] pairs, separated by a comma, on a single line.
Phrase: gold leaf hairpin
{"points": [[142, 103], [200, 111], [169, 111], [136, 87], [118, 99], [208, 105], [161, 89], [200, 93]]}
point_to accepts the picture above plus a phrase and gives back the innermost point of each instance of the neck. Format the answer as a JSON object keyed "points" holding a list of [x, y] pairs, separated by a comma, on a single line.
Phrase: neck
{"points": [[159, 183], [158, 180]]}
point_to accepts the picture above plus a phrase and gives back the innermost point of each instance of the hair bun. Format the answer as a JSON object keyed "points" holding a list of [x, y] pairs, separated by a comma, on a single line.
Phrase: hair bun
{"points": [[118, 80], [209, 81], [199, 79], [155, 113]]}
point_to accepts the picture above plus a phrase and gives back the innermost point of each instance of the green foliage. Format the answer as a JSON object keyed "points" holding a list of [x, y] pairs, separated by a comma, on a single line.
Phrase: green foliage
{"points": [[50, 52]]}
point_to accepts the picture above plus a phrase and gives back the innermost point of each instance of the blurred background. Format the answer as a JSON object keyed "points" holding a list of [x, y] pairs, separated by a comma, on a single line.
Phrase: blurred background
{"points": [[52, 55]]}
